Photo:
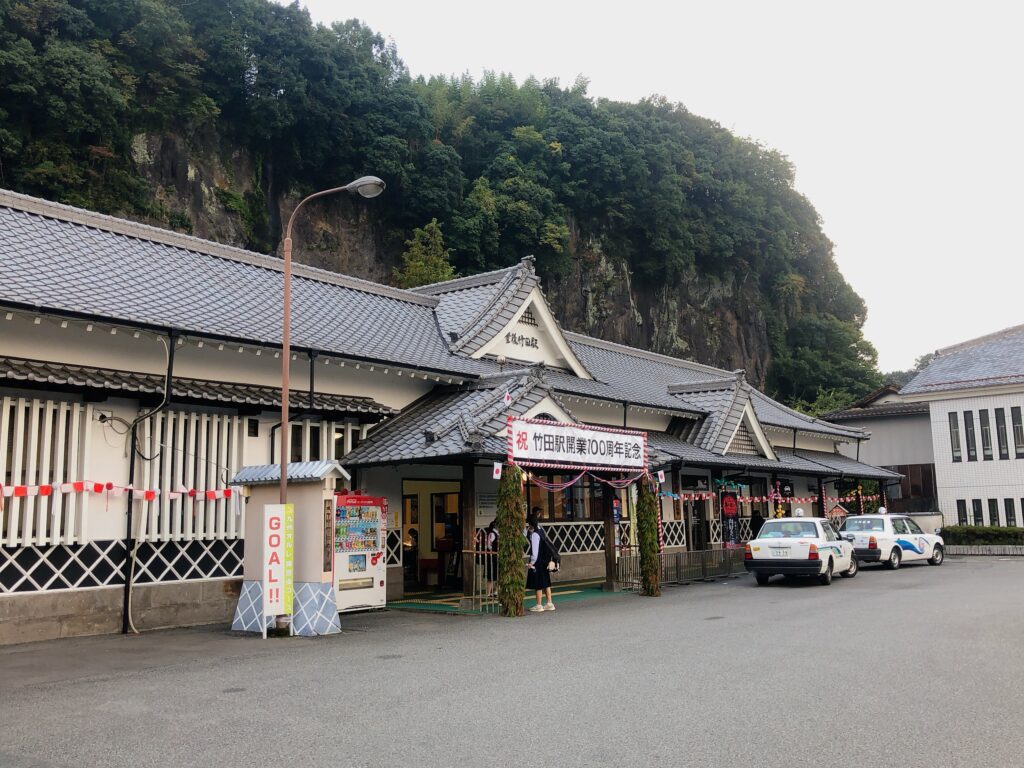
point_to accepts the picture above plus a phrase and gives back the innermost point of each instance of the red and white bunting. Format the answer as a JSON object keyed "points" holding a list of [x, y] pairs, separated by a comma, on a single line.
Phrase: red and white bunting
{"points": [[111, 489]]}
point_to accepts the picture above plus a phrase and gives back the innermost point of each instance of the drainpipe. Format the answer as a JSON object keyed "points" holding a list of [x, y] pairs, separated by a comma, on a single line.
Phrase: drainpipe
{"points": [[312, 378], [129, 541]]}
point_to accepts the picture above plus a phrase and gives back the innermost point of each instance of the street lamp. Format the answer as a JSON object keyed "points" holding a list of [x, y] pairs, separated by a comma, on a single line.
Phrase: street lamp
{"points": [[366, 186]]}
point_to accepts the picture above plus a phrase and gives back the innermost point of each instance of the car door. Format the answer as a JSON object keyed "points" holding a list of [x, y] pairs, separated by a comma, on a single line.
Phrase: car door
{"points": [[924, 540], [842, 548], [912, 549]]}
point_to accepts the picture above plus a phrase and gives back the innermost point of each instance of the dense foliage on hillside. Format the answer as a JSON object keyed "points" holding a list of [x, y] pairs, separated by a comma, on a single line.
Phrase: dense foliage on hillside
{"points": [[505, 168]]}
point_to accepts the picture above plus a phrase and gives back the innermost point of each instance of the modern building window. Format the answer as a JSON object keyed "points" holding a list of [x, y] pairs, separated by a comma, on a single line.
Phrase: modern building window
{"points": [[972, 445], [993, 512], [1018, 432], [979, 515], [961, 512], [1011, 513], [986, 434], [1004, 452], [954, 435]]}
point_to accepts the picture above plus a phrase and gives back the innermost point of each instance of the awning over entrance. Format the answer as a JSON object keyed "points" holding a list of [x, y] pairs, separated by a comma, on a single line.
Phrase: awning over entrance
{"points": [[667, 449], [453, 422]]}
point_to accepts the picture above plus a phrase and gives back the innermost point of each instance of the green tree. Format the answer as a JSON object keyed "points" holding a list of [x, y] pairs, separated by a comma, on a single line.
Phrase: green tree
{"points": [[647, 539], [425, 260], [511, 542]]}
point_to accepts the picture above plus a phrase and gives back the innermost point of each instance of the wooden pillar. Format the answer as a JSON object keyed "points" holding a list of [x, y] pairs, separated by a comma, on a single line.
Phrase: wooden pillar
{"points": [[677, 503], [822, 512], [607, 495], [468, 527]]}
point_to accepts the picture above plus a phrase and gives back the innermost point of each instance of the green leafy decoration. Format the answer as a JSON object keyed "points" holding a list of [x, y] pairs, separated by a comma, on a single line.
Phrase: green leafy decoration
{"points": [[647, 539], [511, 542]]}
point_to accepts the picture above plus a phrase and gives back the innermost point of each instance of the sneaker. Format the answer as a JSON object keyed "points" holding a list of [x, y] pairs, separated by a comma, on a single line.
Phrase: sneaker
{"points": [[549, 607], [537, 609]]}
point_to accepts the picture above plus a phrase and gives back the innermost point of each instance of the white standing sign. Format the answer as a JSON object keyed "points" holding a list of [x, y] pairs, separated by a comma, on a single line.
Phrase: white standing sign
{"points": [[278, 559], [540, 443]]}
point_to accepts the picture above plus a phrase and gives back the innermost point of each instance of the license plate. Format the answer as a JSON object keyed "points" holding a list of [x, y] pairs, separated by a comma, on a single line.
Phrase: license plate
{"points": [[780, 551]]}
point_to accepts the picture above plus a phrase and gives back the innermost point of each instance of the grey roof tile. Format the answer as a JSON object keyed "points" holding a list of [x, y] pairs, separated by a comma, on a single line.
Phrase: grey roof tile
{"points": [[61, 375], [63, 260], [298, 472], [988, 361], [62, 266]]}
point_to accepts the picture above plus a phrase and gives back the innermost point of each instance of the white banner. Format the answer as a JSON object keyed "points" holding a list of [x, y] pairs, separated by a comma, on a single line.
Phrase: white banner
{"points": [[573, 446], [278, 557]]}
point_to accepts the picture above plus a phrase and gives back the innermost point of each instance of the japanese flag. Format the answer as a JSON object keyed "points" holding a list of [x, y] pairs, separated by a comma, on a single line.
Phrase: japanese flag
{"points": [[497, 470]]}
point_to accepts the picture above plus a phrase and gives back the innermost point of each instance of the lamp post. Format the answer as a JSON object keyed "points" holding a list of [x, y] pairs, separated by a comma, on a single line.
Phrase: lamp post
{"points": [[367, 186]]}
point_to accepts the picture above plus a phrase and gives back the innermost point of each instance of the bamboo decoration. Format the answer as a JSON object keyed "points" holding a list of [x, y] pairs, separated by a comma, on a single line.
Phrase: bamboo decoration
{"points": [[647, 538], [511, 542]]}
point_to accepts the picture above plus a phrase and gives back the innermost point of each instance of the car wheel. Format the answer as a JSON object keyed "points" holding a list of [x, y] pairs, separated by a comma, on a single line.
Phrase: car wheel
{"points": [[937, 556], [895, 558], [850, 572], [826, 577], [762, 579]]}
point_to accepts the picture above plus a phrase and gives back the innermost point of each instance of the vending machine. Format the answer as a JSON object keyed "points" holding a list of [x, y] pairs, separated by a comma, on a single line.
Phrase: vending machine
{"points": [[360, 567]]}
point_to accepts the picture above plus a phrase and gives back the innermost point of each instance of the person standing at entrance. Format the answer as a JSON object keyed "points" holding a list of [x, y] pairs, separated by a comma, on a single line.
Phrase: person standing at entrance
{"points": [[538, 577]]}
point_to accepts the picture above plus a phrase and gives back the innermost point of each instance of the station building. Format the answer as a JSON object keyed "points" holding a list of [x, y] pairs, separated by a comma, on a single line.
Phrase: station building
{"points": [[108, 327]]}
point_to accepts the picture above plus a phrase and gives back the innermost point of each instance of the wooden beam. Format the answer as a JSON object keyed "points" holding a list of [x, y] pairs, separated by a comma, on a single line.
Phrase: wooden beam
{"points": [[607, 496], [468, 527]]}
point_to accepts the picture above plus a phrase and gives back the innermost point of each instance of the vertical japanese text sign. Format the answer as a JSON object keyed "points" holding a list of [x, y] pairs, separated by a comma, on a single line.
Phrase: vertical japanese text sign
{"points": [[278, 558]]}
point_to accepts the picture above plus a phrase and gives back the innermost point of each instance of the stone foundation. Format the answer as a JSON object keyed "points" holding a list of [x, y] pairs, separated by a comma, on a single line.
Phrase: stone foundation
{"points": [[71, 613]]}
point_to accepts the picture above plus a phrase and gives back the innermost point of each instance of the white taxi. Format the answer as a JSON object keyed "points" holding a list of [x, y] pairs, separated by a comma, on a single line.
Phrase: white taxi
{"points": [[891, 539], [799, 546]]}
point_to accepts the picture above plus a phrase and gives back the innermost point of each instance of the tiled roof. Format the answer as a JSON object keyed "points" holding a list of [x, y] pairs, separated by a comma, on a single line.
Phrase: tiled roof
{"points": [[837, 464], [64, 260], [298, 472], [776, 414], [60, 375], [452, 422], [989, 361], [65, 266], [666, 448], [878, 411], [474, 315]]}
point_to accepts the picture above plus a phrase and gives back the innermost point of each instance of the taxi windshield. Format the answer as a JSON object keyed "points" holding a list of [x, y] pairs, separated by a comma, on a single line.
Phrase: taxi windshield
{"points": [[855, 524], [787, 529]]}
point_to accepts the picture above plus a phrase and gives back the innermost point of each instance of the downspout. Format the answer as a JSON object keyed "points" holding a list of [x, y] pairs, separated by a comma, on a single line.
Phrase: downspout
{"points": [[129, 541], [312, 377]]}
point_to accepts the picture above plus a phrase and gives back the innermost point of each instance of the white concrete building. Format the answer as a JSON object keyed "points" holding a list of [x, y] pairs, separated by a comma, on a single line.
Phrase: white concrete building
{"points": [[962, 417]]}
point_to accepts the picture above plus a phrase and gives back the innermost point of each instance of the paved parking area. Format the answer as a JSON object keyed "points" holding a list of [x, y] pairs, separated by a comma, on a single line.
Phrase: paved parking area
{"points": [[914, 668]]}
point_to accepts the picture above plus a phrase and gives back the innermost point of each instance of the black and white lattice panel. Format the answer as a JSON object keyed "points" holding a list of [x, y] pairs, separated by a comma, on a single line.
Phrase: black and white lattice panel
{"points": [[61, 566], [161, 561]]}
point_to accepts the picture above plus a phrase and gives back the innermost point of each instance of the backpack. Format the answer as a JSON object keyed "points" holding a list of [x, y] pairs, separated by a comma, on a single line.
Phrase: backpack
{"points": [[550, 549]]}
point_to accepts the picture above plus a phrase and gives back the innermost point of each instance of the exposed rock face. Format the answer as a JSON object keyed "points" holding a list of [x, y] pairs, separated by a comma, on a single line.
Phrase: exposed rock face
{"points": [[214, 191]]}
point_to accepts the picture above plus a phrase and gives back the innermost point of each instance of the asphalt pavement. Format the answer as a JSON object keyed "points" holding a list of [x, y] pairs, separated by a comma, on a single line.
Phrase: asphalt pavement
{"points": [[919, 667]]}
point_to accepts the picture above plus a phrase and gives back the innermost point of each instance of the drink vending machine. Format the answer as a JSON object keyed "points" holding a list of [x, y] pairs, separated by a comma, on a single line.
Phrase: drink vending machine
{"points": [[360, 567]]}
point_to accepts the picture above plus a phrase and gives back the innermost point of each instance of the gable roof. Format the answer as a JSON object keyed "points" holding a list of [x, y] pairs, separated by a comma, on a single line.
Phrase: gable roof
{"points": [[453, 422], [988, 361], [472, 310]]}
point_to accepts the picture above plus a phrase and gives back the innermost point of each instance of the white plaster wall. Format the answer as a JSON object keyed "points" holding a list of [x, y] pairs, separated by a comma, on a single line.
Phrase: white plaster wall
{"points": [[784, 440], [611, 415], [995, 479], [894, 440], [20, 337]]}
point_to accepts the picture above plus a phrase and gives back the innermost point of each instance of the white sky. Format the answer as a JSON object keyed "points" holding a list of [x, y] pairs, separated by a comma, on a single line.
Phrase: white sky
{"points": [[904, 121]]}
